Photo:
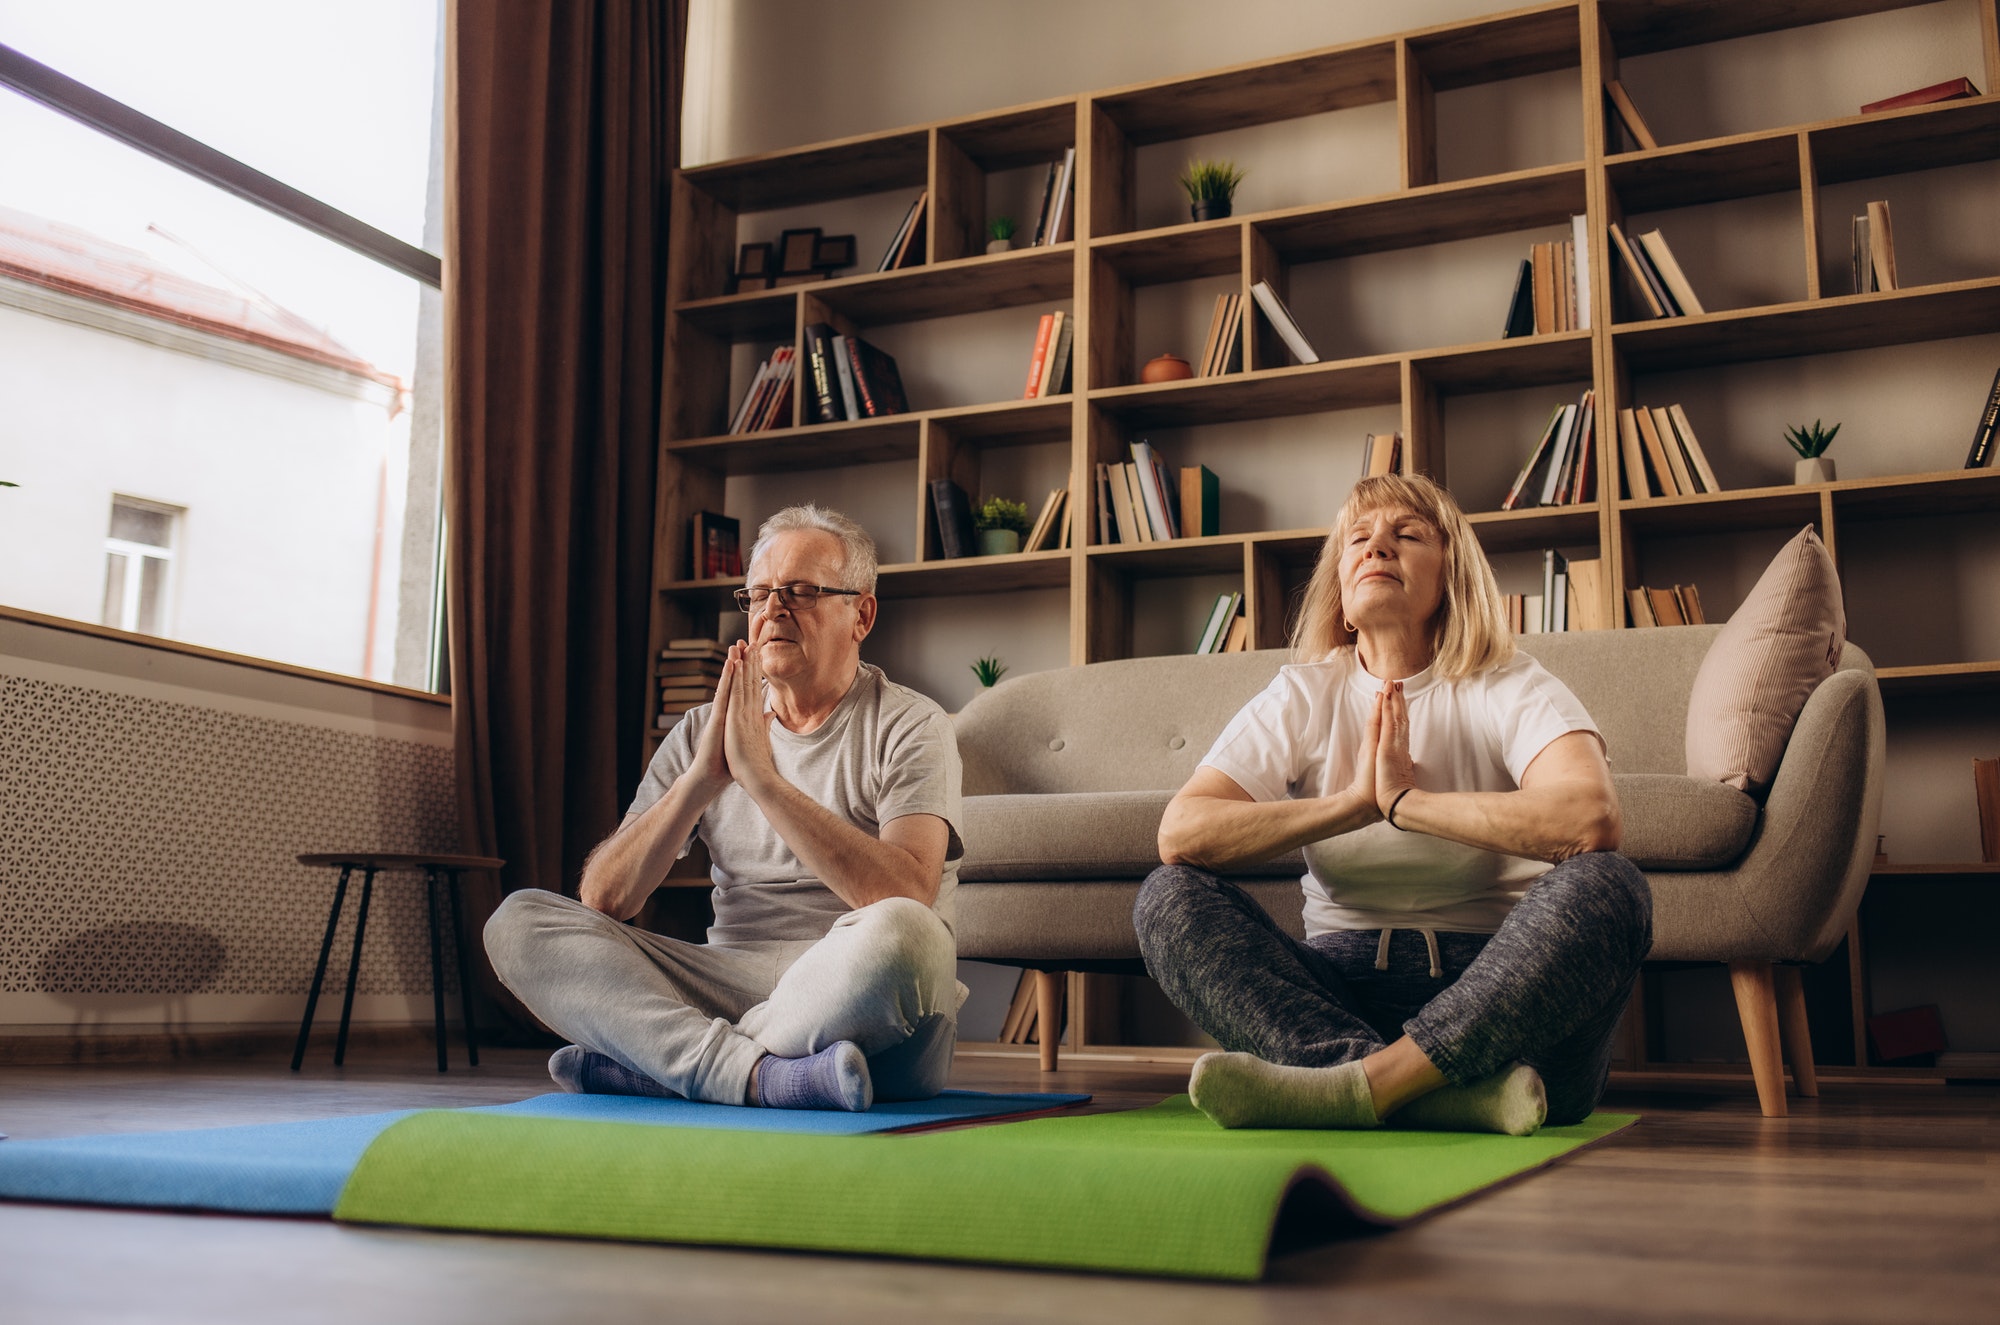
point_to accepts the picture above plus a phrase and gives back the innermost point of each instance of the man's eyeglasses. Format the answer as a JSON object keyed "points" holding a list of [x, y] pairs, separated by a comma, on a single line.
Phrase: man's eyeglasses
{"points": [[793, 596]]}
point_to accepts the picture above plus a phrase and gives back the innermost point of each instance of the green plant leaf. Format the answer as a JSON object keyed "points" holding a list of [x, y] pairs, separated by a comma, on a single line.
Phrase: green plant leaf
{"points": [[999, 513]]}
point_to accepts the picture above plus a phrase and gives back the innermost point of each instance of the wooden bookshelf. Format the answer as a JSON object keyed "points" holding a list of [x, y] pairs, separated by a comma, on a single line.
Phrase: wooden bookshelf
{"points": [[1123, 254]]}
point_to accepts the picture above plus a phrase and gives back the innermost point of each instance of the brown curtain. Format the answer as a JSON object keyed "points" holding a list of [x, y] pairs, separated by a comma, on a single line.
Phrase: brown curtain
{"points": [[562, 130]]}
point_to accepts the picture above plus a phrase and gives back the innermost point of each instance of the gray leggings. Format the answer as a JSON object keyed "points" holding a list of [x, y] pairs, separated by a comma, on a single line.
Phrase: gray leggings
{"points": [[1547, 989]]}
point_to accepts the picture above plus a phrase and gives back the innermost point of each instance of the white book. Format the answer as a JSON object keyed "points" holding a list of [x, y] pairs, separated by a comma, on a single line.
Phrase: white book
{"points": [[1149, 483], [1281, 318], [1580, 231], [1565, 439], [1531, 614], [1217, 624], [1064, 189]]}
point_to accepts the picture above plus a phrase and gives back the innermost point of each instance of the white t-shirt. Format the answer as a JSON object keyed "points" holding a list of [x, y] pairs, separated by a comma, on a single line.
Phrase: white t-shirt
{"points": [[1299, 739]]}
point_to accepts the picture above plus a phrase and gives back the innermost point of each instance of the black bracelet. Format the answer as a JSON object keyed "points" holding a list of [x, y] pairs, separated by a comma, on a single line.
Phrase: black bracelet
{"points": [[1391, 815]]}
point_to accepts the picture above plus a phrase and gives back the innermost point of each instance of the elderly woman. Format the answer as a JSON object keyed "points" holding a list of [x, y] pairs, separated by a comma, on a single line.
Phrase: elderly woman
{"points": [[1471, 933]]}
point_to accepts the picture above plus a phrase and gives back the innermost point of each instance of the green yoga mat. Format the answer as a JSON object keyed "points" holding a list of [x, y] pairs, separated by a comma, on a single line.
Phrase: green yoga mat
{"points": [[1159, 1191]]}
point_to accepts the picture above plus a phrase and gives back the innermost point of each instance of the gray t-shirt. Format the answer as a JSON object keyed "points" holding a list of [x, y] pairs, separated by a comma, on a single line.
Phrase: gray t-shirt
{"points": [[885, 752]]}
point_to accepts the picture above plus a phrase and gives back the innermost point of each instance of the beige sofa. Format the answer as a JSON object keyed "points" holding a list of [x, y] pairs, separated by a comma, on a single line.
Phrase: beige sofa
{"points": [[1067, 773]]}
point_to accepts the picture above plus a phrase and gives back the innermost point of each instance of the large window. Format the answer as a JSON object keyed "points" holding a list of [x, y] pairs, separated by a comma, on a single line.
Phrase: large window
{"points": [[219, 321]]}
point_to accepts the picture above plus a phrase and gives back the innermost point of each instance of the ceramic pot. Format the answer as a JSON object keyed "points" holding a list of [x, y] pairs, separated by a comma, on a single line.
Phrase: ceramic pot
{"points": [[1166, 368], [1817, 470], [999, 246], [998, 542], [1210, 209]]}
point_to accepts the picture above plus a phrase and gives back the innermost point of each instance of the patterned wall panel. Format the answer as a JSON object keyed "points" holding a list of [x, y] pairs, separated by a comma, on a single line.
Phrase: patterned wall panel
{"points": [[147, 845]]}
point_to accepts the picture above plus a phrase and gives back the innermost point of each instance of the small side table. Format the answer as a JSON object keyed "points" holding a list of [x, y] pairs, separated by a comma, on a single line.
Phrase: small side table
{"points": [[436, 868]]}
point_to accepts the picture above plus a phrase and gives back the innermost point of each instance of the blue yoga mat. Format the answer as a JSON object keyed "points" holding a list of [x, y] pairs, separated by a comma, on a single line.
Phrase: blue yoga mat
{"points": [[299, 1168]]}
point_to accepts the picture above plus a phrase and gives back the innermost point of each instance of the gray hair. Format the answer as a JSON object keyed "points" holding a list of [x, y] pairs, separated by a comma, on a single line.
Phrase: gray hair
{"points": [[857, 563]]}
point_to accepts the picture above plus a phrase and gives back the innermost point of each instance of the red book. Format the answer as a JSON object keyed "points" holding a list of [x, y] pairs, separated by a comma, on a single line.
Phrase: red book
{"points": [[1924, 96], [1041, 353]]}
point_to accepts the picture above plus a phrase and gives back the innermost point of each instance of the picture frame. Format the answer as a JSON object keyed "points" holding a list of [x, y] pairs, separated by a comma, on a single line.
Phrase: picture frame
{"points": [[753, 260], [833, 252], [796, 251]]}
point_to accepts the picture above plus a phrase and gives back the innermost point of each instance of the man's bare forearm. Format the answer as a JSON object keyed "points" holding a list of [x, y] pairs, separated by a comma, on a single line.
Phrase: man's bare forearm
{"points": [[857, 868], [625, 868], [1219, 833]]}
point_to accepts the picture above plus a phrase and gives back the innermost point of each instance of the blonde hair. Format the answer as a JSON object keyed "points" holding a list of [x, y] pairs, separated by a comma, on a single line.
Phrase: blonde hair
{"points": [[1469, 633]]}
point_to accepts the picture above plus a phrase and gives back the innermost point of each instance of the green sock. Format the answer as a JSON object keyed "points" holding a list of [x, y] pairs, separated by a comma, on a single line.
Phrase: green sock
{"points": [[1242, 1090], [1511, 1102]]}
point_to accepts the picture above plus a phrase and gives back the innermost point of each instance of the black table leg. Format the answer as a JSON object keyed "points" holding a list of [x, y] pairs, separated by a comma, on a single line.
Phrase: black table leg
{"points": [[354, 965], [464, 971], [319, 971], [437, 962]]}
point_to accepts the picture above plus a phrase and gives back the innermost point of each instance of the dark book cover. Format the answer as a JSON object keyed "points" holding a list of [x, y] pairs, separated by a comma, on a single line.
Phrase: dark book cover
{"points": [[1981, 454], [953, 513], [876, 380], [825, 381], [1521, 308]]}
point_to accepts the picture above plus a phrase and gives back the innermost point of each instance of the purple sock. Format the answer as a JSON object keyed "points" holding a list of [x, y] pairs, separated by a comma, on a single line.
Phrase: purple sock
{"points": [[581, 1072], [834, 1078]]}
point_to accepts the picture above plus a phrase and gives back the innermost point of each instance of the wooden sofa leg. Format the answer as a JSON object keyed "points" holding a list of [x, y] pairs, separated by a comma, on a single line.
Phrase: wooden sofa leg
{"points": [[1048, 1014], [1757, 1006], [1797, 1033]]}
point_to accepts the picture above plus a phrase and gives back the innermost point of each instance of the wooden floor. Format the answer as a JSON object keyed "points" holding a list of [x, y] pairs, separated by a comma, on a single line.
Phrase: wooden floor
{"points": [[1868, 1205]]}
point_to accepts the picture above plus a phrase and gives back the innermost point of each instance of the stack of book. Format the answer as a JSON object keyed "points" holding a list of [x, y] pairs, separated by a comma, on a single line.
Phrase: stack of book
{"points": [[850, 378], [1283, 323], [1571, 598], [716, 546], [1678, 606], [1662, 457], [1056, 220], [1145, 501], [768, 402], [1227, 629], [1873, 256], [907, 248], [1552, 287], [1562, 469], [1382, 454], [688, 671], [1661, 285], [1048, 366], [1051, 530], [1223, 351]]}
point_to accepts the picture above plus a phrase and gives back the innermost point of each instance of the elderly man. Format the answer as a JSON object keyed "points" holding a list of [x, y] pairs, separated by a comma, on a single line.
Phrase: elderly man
{"points": [[829, 799]]}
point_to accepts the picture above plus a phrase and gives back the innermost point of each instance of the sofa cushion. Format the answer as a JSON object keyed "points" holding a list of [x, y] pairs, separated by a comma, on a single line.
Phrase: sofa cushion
{"points": [[1772, 654], [1683, 823], [1076, 835]]}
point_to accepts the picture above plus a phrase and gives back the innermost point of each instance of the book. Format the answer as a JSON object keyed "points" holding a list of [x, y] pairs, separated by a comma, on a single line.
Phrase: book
{"points": [[1048, 201], [1642, 607], [688, 666], [1697, 458], [843, 370], [1686, 482], [1219, 352], [1531, 614], [1543, 259], [1672, 480], [1281, 321], [910, 231], [1565, 285], [1639, 484], [1981, 454], [1652, 294], [777, 412], [1217, 626], [1121, 504], [1666, 607], [1951, 89], [1043, 532], [1107, 532], [698, 693], [1579, 265], [826, 397], [1986, 791], [1040, 355], [1204, 367], [1060, 215], [1142, 522], [1689, 600], [1229, 350], [1239, 636], [1381, 454], [1158, 518], [1055, 368], [695, 647], [1555, 589], [1662, 258], [1200, 505], [1881, 245], [1629, 116], [1565, 440], [1521, 308], [1537, 459], [953, 515], [876, 381], [1583, 486], [716, 546], [1861, 256]]}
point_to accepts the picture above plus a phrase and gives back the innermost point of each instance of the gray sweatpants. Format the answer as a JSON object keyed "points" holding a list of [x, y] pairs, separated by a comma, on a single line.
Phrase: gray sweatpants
{"points": [[1548, 989], [696, 1017]]}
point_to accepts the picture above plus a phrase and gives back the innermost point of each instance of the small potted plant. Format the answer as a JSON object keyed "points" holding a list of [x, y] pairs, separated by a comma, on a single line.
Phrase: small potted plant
{"points": [[1211, 188], [1811, 444], [1000, 525], [1000, 234], [989, 670]]}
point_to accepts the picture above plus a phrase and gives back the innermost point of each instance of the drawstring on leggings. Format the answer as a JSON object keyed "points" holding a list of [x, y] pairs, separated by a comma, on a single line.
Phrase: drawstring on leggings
{"points": [[1430, 944]]}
